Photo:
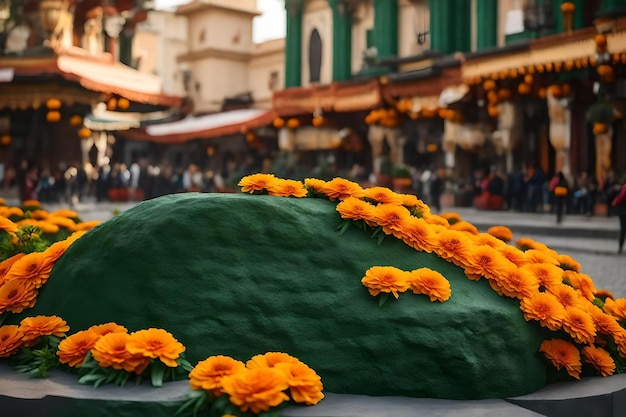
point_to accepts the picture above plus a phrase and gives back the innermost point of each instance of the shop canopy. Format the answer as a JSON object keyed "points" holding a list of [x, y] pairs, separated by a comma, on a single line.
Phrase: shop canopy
{"points": [[100, 74], [212, 125]]}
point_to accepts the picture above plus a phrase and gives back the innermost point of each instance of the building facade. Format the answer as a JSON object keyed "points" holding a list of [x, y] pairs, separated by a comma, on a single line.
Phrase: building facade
{"points": [[465, 85]]}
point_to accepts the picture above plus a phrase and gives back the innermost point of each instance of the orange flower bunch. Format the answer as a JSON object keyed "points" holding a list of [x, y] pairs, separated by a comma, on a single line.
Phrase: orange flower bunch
{"points": [[112, 346], [264, 382], [32, 343], [501, 232], [550, 287]]}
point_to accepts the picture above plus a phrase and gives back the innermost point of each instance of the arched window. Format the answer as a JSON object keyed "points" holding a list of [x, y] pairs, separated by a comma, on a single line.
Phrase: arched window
{"points": [[315, 56]]}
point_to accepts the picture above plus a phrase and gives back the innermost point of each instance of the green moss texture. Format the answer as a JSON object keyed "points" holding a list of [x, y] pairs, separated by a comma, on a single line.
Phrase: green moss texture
{"points": [[240, 275]]}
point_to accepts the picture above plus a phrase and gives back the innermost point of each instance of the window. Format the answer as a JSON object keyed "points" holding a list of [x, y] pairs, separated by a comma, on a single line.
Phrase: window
{"points": [[315, 56]]}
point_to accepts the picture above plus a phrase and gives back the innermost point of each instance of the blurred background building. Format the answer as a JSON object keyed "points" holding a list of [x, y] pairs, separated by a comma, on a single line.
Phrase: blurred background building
{"points": [[391, 88]]}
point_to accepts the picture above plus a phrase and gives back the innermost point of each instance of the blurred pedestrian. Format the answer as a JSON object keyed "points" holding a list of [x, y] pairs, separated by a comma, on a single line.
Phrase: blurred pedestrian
{"points": [[560, 190], [619, 204]]}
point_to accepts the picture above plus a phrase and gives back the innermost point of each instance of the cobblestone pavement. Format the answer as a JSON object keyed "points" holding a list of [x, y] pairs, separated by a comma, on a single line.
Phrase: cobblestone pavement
{"points": [[590, 240]]}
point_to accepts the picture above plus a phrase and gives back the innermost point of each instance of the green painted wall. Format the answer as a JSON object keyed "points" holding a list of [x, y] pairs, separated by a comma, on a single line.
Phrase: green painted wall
{"points": [[342, 41], [486, 23], [460, 13], [293, 44], [450, 25], [386, 27]]}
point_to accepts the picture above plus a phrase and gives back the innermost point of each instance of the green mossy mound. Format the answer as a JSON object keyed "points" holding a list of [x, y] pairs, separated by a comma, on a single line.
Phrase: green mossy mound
{"points": [[241, 275]]}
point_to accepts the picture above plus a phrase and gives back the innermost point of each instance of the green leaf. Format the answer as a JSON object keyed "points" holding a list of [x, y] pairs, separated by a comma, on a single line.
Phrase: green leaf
{"points": [[157, 370], [381, 237], [344, 227], [185, 364], [87, 379], [382, 299]]}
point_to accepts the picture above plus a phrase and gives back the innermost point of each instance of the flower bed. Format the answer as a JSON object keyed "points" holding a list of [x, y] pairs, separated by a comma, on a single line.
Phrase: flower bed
{"points": [[564, 322]]}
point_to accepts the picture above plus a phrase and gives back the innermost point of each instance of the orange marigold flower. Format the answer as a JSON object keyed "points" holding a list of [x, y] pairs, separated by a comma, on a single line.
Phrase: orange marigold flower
{"points": [[548, 275], [513, 254], [54, 252], [538, 256], [75, 236], [30, 269], [39, 214], [545, 308], [31, 203], [383, 195], [453, 245], [287, 188], [464, 226], [601, 293], [517, 283], [305, 385], [567, 262], [67, 213], [47, 227], [387, 279], [586, 287], [87, 225], [16, 296], [270, 360], [353, 208], [106, 328], [340, 189], [501, 232], [485, 260], [568, 296], [489, 240], [415, 205], [314, 184], [34, 327], [418, 234], [208, 374], [10, 340], [256, 389], [605, 323], [156, 344], [616, 308], [431, 283], [436, 220], [110, 352], [451, 217], [391, 218], [579, 324], [562, 354], [14, 212], [63, 222], [256, 182], [73, 349], [8, 226], [6, 265], [600, 359]]}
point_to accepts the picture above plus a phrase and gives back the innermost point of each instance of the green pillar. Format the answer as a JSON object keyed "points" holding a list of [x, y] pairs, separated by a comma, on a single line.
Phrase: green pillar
{"points": [[460, 13], [438, 41], [486, 23], [342, 40], [293, 44], [386, 27]]}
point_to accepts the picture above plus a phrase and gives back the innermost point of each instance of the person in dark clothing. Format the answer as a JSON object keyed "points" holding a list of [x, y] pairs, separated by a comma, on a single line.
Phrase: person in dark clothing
{"points": [[559, 187], [619, 204], [436, 187]]}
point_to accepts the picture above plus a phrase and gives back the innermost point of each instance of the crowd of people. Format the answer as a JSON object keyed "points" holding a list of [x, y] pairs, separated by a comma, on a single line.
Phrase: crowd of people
{"points": [[528, 189]]}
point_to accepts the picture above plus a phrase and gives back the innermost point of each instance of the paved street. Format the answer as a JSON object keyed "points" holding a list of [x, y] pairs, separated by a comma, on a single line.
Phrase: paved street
{"points": [[590, 240]]}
